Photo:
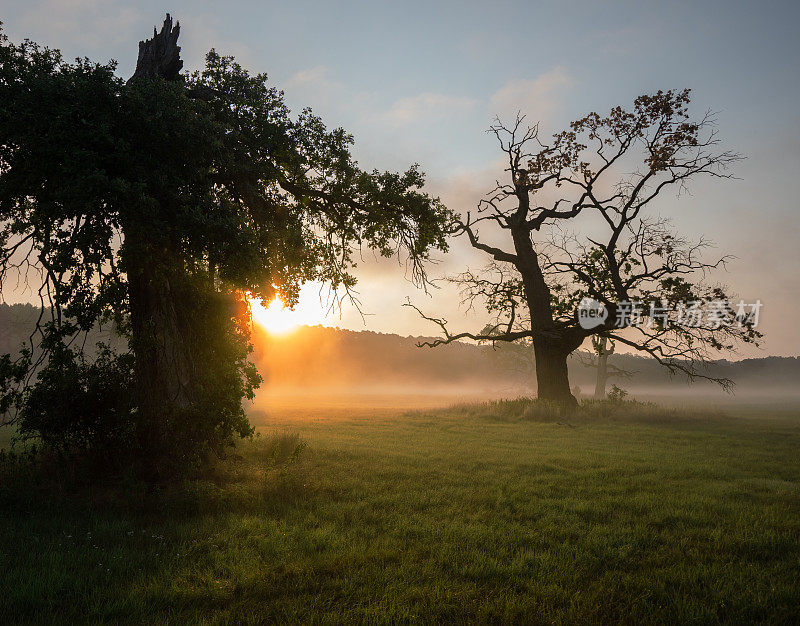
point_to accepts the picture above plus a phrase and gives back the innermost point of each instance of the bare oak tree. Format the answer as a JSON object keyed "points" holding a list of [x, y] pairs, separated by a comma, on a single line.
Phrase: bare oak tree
{"points": [[601, 176]]}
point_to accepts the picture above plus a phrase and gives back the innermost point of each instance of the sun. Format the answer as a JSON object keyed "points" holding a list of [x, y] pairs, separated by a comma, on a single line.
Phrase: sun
{"points": [[275, 318]]}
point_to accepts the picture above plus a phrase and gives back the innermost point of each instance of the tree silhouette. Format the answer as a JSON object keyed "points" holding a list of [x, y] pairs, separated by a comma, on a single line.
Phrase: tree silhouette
{"points": [[602, 348], [158, 204], [601, 176]]}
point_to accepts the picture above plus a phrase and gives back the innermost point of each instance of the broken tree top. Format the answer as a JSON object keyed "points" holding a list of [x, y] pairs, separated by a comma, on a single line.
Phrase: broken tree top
{"points": [[161, 55]]}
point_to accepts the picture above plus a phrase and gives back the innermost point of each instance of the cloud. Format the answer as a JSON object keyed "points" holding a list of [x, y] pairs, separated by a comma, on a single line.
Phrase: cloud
{"points": [[423, 108], [390, 133], [200, 33], [461, 190], [535, 97], [80, 24], [426, 108], [333, 99], [318, 75]]}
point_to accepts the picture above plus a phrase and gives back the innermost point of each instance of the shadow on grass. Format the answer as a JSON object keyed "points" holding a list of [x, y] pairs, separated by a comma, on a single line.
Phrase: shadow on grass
{"points": [[265, 474], [159, 546], [400, 522]]}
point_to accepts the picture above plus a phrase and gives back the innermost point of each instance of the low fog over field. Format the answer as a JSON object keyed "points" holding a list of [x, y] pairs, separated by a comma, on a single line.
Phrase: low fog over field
{"points": [[329, 367], [320, 364]]}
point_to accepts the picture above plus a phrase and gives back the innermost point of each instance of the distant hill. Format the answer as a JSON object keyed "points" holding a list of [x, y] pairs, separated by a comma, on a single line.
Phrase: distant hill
{"points": [[321, 357], [17, 323]]}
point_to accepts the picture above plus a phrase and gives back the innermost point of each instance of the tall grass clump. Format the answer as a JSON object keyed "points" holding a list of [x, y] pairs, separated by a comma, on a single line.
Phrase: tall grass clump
{"points": [[285, 473], [615, 407]]}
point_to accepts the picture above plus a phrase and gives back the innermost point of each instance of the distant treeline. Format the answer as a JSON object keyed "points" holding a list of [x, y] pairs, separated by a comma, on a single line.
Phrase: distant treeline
{"points": [[318, 357], [18, 322]]}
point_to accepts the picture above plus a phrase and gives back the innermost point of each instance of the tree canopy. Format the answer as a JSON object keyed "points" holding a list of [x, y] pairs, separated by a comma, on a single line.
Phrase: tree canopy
{"points": [[158, 202]]}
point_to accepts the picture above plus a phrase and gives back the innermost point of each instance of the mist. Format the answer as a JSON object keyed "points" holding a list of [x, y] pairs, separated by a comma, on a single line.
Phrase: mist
{"points": [[315, 367]]}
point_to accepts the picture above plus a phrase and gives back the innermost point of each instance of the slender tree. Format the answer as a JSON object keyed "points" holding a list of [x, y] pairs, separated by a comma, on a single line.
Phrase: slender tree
{"points": [[159, 204], [602, 348], [600, 177]]}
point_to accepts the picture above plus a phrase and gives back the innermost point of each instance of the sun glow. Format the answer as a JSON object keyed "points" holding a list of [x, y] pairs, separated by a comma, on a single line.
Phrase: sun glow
{"points": [[275, 318]]}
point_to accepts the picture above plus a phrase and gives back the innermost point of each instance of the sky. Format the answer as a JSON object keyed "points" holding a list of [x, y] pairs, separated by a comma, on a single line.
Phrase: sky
{"points": [[422, 81]]}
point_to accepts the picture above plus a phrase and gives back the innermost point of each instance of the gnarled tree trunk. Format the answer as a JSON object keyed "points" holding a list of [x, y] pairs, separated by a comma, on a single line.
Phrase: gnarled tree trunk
{"points": [[552, 377], [551, 348], [160, 57]]}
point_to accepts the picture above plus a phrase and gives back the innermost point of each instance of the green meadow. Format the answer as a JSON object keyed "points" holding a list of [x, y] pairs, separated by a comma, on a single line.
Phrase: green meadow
{"points": [[497, 512]]}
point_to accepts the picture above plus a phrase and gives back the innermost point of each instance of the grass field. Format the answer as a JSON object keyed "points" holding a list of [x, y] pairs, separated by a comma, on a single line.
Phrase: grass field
{"points": [[471, 513]]}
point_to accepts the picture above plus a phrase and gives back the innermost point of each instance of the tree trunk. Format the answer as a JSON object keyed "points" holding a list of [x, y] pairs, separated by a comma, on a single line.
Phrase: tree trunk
{"points": [[164, 368], [160, 57], [552, 377], [602, 376], [550, 349], [159, 323]]}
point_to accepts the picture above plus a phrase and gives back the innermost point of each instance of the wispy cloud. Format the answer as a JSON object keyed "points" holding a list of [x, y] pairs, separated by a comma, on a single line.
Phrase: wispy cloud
{"points": [[427, 107], [420, 109], [314, 76], [88, 24], [319, 88], [201, 32], [535, 97]]}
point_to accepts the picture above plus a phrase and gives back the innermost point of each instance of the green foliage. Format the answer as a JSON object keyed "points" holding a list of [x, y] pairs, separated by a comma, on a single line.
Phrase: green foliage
{"points": [[81, 406], [217, 336], [156, 205], [617, 394]]}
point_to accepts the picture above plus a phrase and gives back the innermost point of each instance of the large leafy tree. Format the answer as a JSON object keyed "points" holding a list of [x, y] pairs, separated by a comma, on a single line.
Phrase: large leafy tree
{"points": [[574, 219], [157, 203]]}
